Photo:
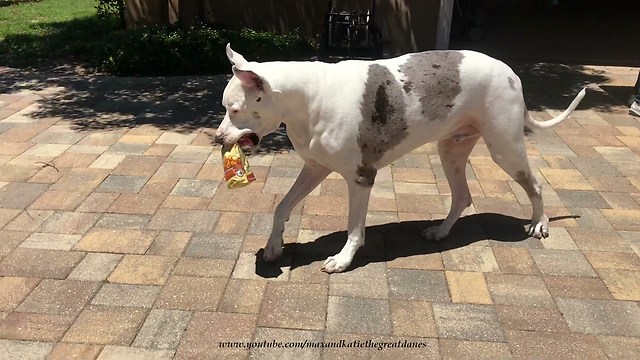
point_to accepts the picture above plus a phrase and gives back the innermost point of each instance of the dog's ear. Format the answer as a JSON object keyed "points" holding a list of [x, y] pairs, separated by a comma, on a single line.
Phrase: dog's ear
{"points": [[235, 58], [250, 79]]}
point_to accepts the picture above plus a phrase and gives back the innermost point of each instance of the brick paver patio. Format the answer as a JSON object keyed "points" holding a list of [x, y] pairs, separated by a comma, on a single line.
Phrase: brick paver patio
{"points": [[118, 239]]}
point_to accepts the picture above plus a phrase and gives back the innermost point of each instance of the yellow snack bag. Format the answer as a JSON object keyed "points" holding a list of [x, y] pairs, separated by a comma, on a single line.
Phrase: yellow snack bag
{"points": [[237, 172]]}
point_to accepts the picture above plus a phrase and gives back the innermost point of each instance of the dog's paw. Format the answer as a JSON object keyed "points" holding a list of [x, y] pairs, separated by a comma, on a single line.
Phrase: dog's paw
{"points": [[539, 230], [272, 253], [432, 234], [335, 264]]}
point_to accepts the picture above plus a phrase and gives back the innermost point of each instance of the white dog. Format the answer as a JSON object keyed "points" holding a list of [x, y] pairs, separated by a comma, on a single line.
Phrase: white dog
{"points": [[355, 117]]}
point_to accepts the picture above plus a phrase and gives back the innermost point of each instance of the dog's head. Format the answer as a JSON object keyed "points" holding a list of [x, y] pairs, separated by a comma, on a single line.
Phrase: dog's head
{"points": [[250, 104]]}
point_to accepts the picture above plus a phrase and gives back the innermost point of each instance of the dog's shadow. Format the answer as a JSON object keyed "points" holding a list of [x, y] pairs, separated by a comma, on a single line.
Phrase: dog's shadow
{"points": [[391, 241]]}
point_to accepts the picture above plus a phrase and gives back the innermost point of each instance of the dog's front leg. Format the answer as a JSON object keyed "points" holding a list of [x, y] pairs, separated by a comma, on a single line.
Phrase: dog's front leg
{"points": [[358, 204], [311, 176]]}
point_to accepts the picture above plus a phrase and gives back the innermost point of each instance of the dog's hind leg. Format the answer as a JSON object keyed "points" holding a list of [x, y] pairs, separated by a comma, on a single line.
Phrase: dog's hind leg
{"points": [[310, 177], [453, 156], [507, 148], [358, 203]]}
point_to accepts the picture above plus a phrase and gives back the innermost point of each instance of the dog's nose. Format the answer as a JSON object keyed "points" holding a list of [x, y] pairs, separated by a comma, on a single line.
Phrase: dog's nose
{"points": [[219, 139]]}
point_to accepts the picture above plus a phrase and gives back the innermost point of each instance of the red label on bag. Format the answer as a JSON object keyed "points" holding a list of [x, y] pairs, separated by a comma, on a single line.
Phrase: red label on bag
{"points": [[237, 170]]}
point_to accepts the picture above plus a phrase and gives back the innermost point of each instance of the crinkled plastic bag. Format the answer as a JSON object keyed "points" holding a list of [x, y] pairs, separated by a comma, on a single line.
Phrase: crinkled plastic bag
{"points": [[237, 172]]}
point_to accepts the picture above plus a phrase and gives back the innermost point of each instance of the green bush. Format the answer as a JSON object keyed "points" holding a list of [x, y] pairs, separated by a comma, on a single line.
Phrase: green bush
{"points": [[160, 50], [109, 7]]}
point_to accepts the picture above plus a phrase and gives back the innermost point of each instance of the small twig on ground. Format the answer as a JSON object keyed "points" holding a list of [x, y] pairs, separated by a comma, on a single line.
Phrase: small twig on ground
{"points": [[47, 164]]}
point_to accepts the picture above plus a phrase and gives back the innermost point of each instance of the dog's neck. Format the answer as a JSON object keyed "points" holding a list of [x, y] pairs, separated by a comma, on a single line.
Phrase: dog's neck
{"points": [[299, 101]]}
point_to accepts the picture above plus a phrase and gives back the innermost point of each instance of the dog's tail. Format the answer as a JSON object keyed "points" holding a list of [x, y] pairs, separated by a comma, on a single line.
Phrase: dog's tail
{"points": [[558, 119]]}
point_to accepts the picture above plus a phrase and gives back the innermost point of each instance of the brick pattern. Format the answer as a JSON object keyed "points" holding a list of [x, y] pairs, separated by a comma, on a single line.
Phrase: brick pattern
{"points": [[133, 247]]}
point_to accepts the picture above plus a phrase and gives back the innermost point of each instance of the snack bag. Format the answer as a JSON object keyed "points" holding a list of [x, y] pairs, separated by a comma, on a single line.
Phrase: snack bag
{"points": [[236, 167]]}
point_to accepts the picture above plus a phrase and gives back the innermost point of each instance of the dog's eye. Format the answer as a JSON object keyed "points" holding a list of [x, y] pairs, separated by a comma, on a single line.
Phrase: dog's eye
{"points": [[234, 111], [258, 99]]}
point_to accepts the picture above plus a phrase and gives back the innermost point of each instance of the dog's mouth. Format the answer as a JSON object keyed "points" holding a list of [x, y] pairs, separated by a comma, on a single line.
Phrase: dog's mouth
{"points": [[248, 142]]}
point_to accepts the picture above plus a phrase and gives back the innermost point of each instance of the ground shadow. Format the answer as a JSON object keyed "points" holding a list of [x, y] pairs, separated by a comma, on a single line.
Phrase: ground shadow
{"points": [[103, 103], [391, 241], [554, 86], [622, 94]]}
